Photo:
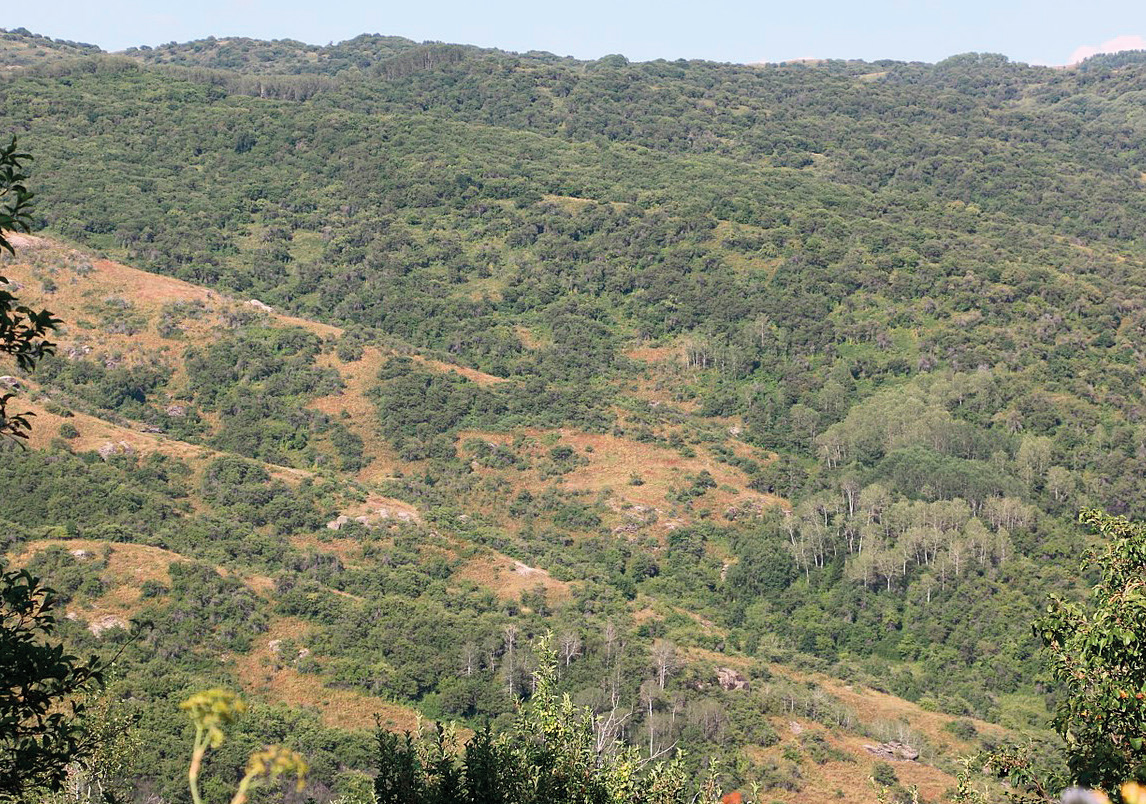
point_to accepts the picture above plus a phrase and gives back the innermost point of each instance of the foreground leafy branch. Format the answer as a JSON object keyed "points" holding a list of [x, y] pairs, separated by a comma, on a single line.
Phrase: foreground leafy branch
{"points": [[1097, 654], [41, 730], [23, 331]]}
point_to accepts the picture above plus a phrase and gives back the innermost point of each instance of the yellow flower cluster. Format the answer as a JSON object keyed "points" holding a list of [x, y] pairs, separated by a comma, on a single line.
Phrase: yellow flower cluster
{"points": [[274, 760], [211, 710]]}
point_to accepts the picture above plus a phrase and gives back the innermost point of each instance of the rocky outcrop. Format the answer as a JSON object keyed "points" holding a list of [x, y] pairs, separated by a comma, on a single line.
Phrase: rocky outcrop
{"points": [[730, 679], [893, 750], [112, 448]]}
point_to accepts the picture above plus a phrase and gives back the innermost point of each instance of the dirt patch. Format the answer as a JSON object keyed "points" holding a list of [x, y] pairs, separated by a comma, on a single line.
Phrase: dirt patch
{"points": [[872, 706], [852, 777], [671, 353], [129, 566], [267, 672], [508, 578], [96, 433]]}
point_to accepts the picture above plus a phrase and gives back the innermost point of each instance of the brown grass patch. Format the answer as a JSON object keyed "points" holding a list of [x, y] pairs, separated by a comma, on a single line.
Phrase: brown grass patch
{"points": [[717, 658], [872, 706], [359, 377], [527, 337], [508, 578], [613, 462], [147, 294], [129, 567], [820, 782], [670, 353], [471, 374], [95, 433], [267, 674]]}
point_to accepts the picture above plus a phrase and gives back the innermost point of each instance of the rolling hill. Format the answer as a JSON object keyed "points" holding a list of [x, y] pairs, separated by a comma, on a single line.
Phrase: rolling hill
{"points": [[790, 373]]}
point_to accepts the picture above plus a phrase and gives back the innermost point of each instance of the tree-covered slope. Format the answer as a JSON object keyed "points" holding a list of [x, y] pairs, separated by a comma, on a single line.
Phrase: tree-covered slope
{"points": [[760, 361]]}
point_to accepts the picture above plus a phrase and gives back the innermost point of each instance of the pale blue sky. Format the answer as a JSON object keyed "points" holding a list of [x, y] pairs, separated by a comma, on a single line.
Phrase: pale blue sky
{"points": [[1046, 32]]}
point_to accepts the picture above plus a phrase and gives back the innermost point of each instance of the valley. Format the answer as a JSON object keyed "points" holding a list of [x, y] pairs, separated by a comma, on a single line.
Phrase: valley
{"points": [[770, 392]]}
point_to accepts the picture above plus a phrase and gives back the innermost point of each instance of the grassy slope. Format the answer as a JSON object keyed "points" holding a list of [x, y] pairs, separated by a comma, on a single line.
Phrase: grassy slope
{"points": [[268, 674]]}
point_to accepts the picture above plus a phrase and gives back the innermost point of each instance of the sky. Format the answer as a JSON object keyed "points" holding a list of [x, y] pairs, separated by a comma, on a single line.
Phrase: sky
{"points": [[1035, 31]]}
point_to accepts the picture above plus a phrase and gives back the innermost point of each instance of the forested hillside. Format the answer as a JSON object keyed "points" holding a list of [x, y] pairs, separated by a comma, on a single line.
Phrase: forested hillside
{"points": [[794, 375]]}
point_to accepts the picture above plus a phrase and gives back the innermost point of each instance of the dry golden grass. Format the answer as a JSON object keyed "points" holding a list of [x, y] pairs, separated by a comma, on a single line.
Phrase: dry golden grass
{"points": [[821, 782], [268, 675], [508, 578], [872, 706], [129, 567], [95, 433], [128, 564], [613, 462], [670, 353], [148, 293], [471, 374], [359, 376], [528, 338], [718, 658]]}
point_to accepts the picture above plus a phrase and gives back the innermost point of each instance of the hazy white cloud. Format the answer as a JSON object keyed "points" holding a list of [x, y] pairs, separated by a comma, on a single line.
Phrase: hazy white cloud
{"points": [[1118, 43]]}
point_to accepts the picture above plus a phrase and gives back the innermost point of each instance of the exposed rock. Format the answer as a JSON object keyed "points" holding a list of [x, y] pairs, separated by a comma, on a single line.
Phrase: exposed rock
{"points": [[730, 679], [111, 448], [374, 518], [11, 382], [106, 623], [795, 727], [893, 750], [258, 305], [176, 411], [275, 646], [151, 428], [748, 508], [80, 554], [405, 516], [77, 351]]}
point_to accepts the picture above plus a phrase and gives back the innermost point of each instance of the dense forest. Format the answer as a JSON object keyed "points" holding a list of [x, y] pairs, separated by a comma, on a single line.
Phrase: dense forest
{"points": [[870, 334]]}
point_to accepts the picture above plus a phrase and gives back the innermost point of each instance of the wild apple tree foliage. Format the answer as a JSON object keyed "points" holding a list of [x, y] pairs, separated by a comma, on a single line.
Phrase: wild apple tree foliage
{"points": [[1097, 654]]}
